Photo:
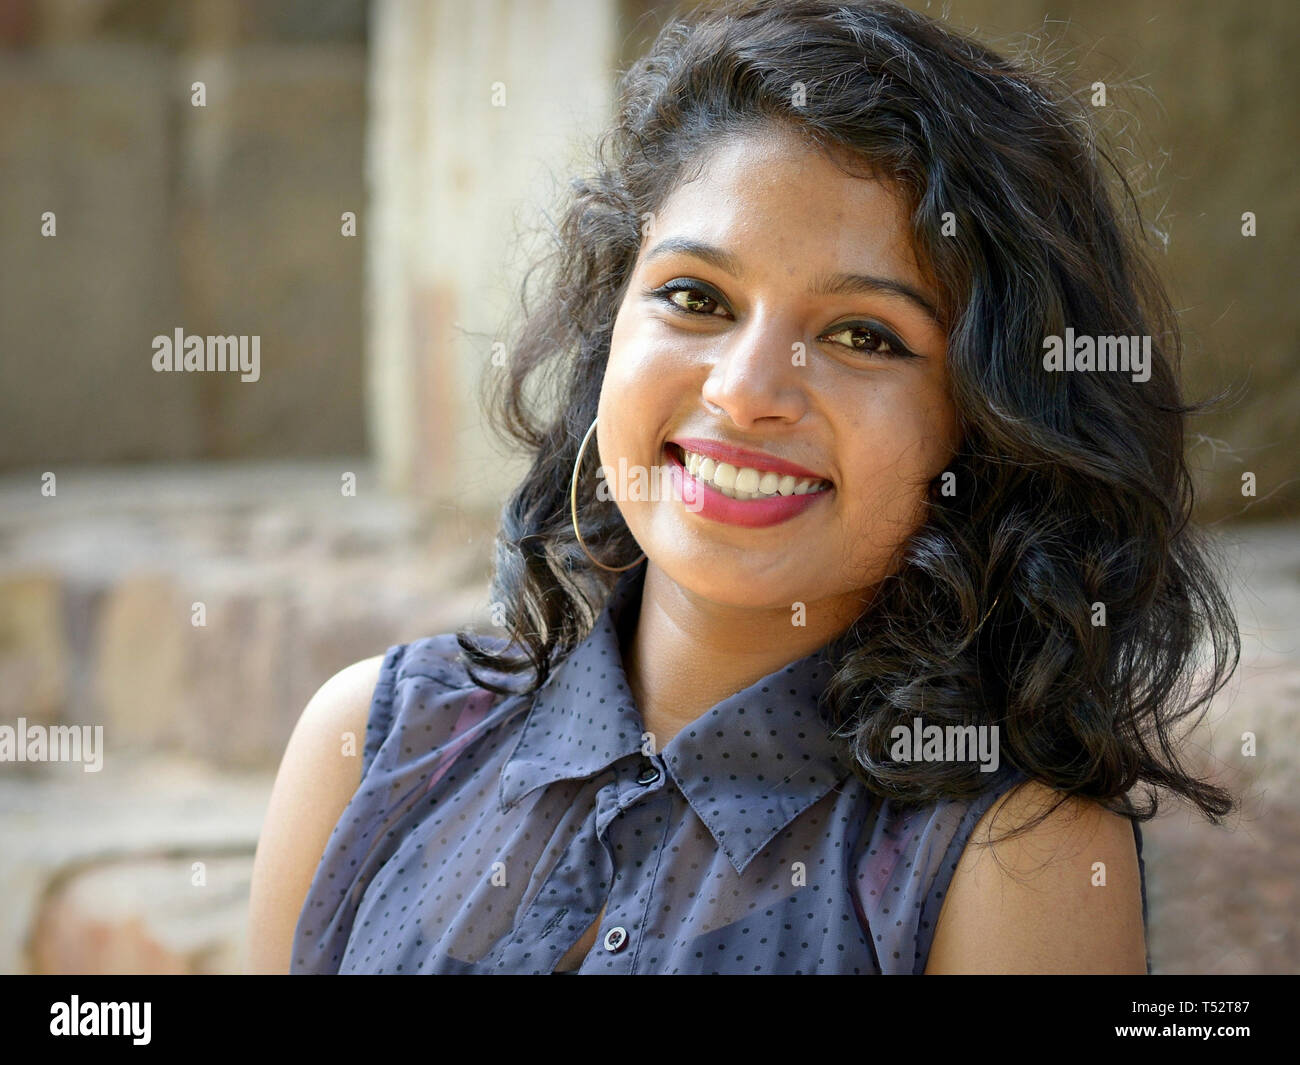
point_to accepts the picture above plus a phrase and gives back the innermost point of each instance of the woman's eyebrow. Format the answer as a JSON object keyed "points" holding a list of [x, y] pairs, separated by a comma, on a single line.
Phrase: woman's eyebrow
{"points": [[823, 285]]}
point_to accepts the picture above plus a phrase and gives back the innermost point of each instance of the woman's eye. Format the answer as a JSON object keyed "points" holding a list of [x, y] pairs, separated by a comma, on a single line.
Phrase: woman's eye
{"points": [[694, 301], [691, 300], [864, 338]]}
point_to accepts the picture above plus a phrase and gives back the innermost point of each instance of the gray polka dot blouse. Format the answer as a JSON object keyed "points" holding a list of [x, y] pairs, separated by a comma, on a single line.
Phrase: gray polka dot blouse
{"points": [[490, 831]]}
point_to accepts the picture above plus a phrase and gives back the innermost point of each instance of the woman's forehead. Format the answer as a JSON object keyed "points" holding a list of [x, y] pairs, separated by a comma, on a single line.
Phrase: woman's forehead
{"points": [[768, 206]]}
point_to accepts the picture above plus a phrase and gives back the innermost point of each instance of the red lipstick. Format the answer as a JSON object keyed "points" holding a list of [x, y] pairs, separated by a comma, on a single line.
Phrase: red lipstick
{"points": [[739, 456], [704, 499]]}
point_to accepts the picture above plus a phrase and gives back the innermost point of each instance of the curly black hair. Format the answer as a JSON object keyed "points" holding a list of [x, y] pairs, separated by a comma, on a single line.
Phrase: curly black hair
{"points": [[1073, 489]]}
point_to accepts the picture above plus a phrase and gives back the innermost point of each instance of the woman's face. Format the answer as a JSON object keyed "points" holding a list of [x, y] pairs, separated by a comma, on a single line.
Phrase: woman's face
{"points": [[764, 344]]}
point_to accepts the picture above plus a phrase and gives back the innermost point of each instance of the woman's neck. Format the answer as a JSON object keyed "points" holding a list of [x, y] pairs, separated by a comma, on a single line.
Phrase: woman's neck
{"points": [[685, 655]]}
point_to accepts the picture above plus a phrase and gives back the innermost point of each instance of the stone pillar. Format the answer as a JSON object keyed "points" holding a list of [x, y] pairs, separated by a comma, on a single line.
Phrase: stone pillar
{"points": [[479, 113]]}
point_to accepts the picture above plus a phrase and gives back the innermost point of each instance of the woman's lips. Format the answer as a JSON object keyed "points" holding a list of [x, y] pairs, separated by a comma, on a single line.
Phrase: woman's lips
{"points": [[739, 456], [704, 499]]}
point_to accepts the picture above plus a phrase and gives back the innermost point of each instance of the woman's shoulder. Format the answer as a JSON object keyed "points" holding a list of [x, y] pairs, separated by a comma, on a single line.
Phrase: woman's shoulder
{"points": [[363, 698], [1051, 883], [934, 879], [427, 685], [437, 658], [317, 778], [905, 861]]}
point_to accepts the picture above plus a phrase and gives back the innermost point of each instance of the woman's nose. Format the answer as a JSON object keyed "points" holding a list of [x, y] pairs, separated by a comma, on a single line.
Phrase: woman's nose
{"points": [[761, 373]]}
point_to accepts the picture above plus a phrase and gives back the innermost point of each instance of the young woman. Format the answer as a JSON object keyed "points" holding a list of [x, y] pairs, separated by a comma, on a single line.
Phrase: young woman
{"points": [[867, 689]]}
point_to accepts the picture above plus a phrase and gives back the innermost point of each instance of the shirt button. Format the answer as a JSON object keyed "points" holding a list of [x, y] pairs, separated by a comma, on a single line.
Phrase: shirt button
{"points": [[649, 773], [615, 939]]}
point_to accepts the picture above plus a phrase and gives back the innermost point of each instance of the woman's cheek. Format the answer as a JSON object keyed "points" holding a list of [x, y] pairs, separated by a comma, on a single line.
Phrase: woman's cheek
{"points": [[642, 361], [897, 453]]}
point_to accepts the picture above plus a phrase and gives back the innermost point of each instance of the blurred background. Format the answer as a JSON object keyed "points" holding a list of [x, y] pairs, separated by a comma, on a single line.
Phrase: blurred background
{"points": [[359, 184]]}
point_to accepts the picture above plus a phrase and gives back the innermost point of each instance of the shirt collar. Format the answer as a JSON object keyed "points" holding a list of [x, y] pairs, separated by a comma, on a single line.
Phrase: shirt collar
{"points": [[748, 766]]}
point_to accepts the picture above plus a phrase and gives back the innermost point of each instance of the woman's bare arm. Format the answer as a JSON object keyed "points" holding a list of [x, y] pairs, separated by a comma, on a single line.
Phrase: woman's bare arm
{"points": [[1039, 907], [315, 782]]}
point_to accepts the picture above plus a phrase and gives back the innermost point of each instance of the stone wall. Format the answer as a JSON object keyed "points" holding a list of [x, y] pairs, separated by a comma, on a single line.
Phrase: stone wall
{"points": [[220, 220], [189, 613], [226, 219]]}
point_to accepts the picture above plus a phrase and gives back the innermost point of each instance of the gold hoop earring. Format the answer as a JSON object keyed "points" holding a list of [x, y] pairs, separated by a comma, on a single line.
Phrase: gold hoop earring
{"points": [[573, 509]]}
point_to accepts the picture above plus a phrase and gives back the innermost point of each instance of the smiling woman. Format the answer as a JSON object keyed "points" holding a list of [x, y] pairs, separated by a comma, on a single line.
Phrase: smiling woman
{"points": [[846, 380], [811, 275]]}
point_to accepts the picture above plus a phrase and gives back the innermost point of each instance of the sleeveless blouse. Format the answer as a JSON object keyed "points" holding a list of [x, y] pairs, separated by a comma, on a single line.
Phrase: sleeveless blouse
{"points": [[489, 830]]}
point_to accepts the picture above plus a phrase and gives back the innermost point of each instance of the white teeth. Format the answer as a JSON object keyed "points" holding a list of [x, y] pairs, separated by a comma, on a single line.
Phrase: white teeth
{"points": [[746, 482]]}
